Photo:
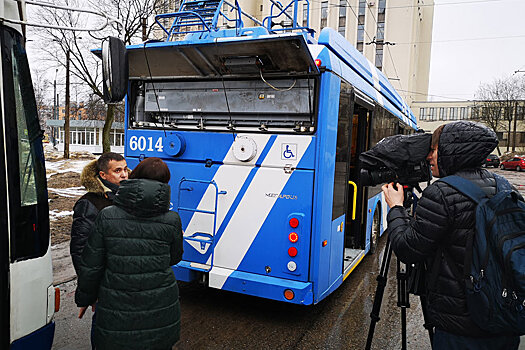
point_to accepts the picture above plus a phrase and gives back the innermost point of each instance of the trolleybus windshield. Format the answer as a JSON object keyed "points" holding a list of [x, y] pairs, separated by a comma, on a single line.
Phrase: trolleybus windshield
{"points": [[26, 181]]}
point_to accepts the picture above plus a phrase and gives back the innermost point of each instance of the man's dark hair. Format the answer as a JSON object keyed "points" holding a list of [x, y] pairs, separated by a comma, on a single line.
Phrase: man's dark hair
{"points": [[152, 168], [105, 158]]}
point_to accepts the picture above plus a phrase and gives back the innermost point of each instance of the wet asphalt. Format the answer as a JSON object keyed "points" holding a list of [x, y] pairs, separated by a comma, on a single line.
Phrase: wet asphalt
{"points": [[215, 319]]}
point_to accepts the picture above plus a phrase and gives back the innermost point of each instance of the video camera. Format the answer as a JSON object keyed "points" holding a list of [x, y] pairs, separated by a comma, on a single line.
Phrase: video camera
{"points": [[397, 158]]}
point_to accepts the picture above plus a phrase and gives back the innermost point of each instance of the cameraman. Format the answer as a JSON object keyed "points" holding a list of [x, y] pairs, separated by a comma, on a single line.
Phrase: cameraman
{"points": [[443, 219]]}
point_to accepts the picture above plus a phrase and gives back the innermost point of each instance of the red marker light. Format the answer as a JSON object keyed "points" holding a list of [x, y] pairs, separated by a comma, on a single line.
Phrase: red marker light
{"points": [[325, 243], [293, 237], [288, 294], [57, 299], [318, 62], [294, 222], [292, 251]]}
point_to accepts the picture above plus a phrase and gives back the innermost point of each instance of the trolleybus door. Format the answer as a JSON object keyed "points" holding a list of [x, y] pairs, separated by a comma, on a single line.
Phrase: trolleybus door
{"points": [[356, 212], [353, 138]]}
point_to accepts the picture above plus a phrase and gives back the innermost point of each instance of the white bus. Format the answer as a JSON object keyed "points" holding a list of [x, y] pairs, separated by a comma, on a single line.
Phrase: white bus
{"points": [[27, 294]]}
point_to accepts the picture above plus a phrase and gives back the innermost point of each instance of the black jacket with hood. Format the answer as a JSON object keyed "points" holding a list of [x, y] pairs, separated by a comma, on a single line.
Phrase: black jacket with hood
{"points": [[87, 208], [443, 219], [126, 265]]}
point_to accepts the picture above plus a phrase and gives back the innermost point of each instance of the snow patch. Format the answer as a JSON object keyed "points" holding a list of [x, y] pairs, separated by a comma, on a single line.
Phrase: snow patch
{"points": [[65, 165], [70, 192], [54, 214]]}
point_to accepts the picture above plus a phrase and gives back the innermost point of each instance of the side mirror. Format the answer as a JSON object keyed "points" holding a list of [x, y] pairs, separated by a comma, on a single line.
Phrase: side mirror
{"points": [[115, 72]]}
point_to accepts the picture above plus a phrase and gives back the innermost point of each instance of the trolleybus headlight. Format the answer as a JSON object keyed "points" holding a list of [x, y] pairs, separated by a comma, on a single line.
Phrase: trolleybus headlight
{"points": [[289, 294], [294, 222], [292, 251], [293, 237]]}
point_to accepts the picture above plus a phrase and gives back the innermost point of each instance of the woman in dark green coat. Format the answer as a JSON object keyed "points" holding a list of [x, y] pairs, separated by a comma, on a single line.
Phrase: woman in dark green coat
{"points": [[126, 265]]}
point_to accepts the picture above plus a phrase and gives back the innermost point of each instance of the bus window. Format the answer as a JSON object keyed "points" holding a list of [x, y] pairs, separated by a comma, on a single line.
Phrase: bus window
{"points": [[342, 151], [25, 160], [280, 105]]}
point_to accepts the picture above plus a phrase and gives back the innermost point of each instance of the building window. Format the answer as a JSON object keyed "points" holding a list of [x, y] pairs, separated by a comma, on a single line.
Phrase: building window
{"points": [[463, 113], [474, 113], [362, 7], [342, 17], [432, 113], [380, 33], [453, 115], [361, 25], [442, 113], [421, 114], [379, 57], [324, 13], [360, 33], [522, 137], [520, 113], [380, 36], [305, 15]]}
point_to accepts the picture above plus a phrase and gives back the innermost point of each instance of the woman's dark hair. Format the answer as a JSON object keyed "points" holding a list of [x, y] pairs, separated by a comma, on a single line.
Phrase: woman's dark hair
{"points": [[436, 135], [151, 168]]}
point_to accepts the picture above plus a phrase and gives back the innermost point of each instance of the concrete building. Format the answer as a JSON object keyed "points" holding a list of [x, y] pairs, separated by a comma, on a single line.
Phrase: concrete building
{"points": [[430, 115], [86, 135], [395, 35]]}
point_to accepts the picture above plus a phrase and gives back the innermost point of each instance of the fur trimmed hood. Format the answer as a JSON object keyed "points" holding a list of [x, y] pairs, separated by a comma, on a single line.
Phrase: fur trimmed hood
{"points": [[90, 180]]}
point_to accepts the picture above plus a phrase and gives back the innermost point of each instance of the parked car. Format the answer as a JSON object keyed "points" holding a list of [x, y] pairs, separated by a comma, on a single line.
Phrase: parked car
{"points": [[491, 160], [517, 163]]}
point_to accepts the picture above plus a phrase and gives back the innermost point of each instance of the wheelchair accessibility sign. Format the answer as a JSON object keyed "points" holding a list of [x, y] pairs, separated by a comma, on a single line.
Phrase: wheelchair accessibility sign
{"points": [[289, 151]]}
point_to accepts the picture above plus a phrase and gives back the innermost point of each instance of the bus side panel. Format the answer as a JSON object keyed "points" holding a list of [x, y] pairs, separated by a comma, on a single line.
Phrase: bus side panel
{"points": [[324, 186], [269, 253], [29, 311], [197, 146], [261, 190]]}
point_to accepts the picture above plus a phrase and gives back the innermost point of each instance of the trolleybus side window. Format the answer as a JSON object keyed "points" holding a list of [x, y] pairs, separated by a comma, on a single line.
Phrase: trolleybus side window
{"points": [[342, 150], [25, 161]]}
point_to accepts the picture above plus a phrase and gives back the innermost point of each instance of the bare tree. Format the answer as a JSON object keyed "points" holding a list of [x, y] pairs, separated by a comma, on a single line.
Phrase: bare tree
{"points": [[40, 87], [85, 67], [497, 105]]}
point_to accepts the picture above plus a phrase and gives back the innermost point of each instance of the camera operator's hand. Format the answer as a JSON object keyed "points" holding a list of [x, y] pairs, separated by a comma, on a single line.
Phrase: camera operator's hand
{"points": [[393, 197]]}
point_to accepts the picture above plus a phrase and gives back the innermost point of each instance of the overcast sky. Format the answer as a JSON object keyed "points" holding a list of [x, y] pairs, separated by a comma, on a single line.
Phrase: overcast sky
{"points": [[475, 41]]}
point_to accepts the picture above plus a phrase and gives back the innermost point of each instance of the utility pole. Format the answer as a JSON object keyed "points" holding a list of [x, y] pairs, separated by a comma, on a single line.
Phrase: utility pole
{"points": [[66, 116], [55, 114]]}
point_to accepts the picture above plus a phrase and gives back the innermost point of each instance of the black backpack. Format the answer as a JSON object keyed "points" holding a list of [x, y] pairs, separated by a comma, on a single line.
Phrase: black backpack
{"points": [[494, 272]]}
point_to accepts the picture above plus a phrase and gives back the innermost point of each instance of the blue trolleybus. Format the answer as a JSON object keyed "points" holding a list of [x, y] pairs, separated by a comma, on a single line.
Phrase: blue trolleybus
{"points": [[262, 128]]}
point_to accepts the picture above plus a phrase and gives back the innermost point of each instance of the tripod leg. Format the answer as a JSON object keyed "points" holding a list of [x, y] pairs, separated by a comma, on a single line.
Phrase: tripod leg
{"points": [[403, 300], [378, 298], [403, 328]]}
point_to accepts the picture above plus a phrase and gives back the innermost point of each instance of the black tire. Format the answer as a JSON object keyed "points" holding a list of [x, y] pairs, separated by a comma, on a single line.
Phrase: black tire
{"points": [[374, 232], [502, 167], [518, 168]]}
